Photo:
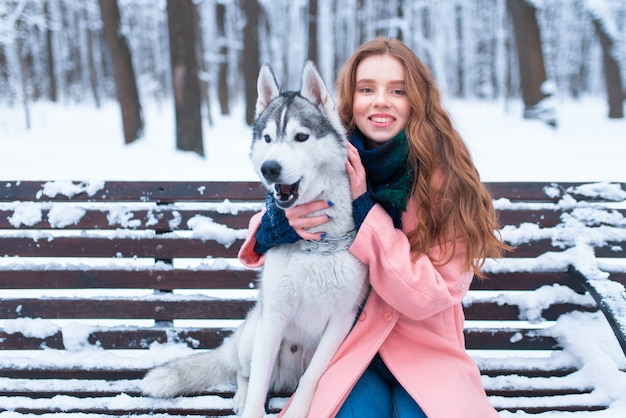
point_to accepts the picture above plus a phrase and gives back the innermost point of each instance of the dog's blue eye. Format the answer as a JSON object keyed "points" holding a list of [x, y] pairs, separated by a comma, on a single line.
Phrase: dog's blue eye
{"points": [[267, 138], [301, 137]]}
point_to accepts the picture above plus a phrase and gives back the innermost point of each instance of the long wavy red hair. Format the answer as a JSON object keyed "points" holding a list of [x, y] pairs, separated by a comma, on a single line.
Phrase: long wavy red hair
{"points": [[462, 207]]}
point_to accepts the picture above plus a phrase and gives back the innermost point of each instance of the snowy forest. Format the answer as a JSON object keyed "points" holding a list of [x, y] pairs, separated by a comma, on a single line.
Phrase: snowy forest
{"points": [[203, 56]]}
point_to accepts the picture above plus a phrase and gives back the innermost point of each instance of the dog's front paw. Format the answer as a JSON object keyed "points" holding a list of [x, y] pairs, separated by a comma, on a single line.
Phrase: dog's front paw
{"points": [[239, 400], [161, 382]]}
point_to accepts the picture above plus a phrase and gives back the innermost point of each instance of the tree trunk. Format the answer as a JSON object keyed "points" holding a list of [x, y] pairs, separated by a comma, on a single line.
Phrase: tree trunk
{"points": [[184, 65], [251, 55], [19, 45], [222, 73], [530, 60], [52, 79], [612, 75], [204, 79], [123, 71], [312, 47], [93, 74]]}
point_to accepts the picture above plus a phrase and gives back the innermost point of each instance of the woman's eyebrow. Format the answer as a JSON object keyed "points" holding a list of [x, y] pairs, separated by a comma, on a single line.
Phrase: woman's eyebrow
{"points": [[371, 80]]}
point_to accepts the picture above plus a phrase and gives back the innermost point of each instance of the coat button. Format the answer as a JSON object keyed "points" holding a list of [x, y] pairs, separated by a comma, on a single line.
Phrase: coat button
{"points": [[362, 316], [388, 316]]}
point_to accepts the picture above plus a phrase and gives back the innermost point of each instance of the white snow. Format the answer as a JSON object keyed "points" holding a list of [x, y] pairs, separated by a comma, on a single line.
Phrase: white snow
{"points": [[72, 142]]}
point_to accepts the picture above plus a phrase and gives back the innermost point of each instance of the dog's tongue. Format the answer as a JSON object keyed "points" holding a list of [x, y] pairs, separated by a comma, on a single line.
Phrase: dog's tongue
{"points": [[286, 193], [285, 189]]}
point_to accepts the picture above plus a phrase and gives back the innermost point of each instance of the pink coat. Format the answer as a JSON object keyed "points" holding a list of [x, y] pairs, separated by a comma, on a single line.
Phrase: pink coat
{"points": [[413, 318]]}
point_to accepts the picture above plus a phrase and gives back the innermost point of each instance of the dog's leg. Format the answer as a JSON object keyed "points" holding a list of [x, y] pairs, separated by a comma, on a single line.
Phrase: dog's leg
{"points": [[269, 334], [239, 400], [244, 355], [338, 327]]}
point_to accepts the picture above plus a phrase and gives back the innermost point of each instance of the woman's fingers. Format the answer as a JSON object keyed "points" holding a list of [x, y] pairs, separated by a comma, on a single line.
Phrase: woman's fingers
{"points": [[301, 219], [356, 173]]}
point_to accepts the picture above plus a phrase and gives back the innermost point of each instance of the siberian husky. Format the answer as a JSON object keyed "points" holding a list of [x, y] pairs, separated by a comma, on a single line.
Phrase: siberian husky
{"points": [[310, 291]]}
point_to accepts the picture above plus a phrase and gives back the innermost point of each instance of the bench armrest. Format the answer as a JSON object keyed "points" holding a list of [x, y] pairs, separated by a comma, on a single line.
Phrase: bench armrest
{"points": [[611, 299]]}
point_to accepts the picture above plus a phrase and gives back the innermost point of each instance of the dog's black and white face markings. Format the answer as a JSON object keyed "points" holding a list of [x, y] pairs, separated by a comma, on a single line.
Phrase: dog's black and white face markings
{"points": [[287, 129]]}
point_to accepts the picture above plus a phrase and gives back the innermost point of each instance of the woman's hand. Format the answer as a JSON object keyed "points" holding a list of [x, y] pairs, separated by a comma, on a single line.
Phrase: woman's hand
{"points": [[300, 219], [356, 173]]}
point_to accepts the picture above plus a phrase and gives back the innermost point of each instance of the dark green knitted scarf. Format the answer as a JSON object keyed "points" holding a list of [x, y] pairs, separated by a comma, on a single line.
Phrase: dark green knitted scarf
{"points": [[389, 174]]}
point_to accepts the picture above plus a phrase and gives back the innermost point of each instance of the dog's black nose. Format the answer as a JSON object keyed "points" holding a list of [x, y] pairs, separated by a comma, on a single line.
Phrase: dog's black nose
{"points": [[271, 170]]}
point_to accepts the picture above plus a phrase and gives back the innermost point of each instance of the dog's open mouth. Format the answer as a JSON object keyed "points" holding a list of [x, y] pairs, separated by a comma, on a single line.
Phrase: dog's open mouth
{"points": [[286, 194]]}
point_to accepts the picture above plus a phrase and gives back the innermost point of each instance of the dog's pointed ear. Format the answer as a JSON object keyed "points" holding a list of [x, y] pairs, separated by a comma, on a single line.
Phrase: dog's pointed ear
{"points": [[314, 89], [267, 88]]}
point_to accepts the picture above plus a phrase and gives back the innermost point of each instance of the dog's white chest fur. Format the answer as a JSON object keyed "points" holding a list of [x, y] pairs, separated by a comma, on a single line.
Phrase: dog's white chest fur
{"points": [[306, 289]]}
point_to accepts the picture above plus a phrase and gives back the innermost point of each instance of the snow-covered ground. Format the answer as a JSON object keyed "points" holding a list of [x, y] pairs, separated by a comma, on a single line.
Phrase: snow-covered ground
{"points": [[80, 142], [70, 142]]}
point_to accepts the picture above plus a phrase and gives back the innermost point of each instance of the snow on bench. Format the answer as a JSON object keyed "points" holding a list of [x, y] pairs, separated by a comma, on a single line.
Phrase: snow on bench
{"points": [[100, 281]]}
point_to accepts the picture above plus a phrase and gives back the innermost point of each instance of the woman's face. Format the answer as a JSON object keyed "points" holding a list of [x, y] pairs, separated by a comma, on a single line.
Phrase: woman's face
{"points": [[381, 108]]}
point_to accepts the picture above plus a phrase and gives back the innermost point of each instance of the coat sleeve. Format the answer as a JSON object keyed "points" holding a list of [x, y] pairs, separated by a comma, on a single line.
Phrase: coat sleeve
{"points": [[416, 288], [246, 254]]}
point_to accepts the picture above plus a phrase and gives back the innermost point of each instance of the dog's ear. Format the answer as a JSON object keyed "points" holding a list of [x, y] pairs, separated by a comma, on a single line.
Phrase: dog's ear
{"points": [[313, 87], [314, 90], [267, 88]]}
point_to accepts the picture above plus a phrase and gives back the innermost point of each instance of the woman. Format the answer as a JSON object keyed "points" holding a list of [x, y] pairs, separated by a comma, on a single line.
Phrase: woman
{"points": [[425, 224]]}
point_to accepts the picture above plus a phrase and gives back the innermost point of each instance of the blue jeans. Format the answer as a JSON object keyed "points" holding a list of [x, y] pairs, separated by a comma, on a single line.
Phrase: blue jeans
{"points": [[377, 394]]}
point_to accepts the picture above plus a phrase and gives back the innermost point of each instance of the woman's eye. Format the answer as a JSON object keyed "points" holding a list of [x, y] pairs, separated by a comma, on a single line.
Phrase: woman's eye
{"points": [[398, 92], [301, 137], [267, 138]]}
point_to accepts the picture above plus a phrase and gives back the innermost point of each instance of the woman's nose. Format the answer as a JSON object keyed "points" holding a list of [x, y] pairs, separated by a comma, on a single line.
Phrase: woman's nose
{"points": [[381, 100]]}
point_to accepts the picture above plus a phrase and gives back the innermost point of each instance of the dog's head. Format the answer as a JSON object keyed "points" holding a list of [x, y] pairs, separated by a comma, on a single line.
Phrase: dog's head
{"points": [[298, 137]]}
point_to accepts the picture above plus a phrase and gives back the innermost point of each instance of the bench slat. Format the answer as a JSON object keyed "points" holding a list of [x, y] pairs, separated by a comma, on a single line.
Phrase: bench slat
{"points": [[612, 249], [184, 247], [173, 411], [545, 218], [494, 312], [155, 247], [142, 191], [525, 281], [161, 310], [132, 338], [84, 373], [172, 278], [174, 247], [158, 219], [508, 392], [149, 412], [169, 191], [538, 192], [158, 279]]}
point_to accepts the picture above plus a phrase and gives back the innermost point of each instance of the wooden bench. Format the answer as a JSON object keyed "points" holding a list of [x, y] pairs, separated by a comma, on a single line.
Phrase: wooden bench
{"points": [[102, 280]]}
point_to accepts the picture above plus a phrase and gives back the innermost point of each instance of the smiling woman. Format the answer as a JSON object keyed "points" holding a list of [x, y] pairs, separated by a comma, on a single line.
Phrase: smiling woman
{"points": [[424, 227]]}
